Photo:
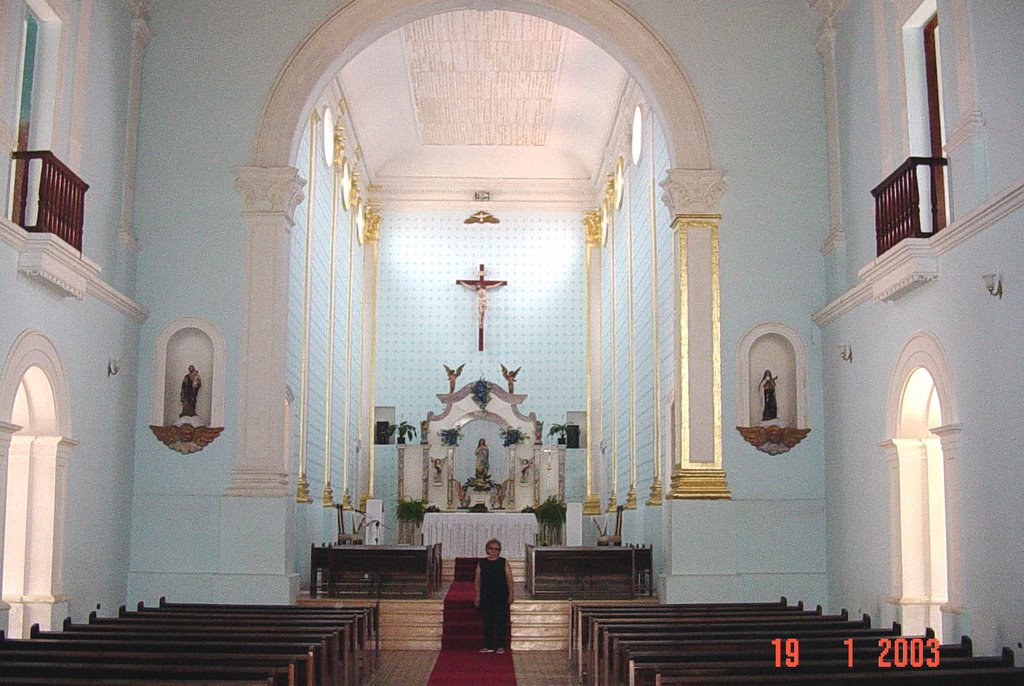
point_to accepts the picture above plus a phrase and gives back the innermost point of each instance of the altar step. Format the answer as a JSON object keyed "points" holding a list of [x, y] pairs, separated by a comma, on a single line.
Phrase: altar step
{"points": [[518, 569]]}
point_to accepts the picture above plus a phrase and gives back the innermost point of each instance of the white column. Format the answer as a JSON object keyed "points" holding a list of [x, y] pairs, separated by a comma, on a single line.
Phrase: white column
{"points": [[6, 433], [269, 198], [949, 437], [595, 467], [364, 466], [127, 244], [692, 196]]}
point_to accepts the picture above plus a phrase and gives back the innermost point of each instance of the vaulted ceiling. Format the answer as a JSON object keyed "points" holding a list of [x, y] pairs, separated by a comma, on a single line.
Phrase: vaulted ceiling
{"points": [[496, 101]]}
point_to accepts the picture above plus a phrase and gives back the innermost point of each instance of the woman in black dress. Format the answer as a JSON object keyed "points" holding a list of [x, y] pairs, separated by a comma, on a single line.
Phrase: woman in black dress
{"points": [[494, 595]]}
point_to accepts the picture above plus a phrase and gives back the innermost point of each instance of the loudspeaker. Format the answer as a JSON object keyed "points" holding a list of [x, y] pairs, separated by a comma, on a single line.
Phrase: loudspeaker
{"points": [[572, 436], [380, 433]]}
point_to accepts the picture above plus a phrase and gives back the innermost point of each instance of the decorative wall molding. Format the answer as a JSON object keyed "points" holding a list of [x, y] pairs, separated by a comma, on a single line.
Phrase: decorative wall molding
{"points": [[992, 212], [693, 191], [457, 193], [20, 239], [901, 269], [835, 240], [968, 126], [270, 190], [54, 263]]}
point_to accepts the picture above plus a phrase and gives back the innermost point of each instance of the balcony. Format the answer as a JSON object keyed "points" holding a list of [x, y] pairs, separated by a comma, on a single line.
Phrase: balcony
{"points": [[48, 196], [898, 211]]}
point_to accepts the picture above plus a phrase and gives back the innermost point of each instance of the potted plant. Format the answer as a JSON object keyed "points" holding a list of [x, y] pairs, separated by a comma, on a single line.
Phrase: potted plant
{"points": [[409, 514], [405, 430], [550, 516], [560, 430]]}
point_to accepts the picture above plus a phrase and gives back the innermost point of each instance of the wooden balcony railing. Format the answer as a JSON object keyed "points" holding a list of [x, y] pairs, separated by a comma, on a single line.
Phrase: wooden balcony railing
{"points": [[61, 196], [898, 203]]}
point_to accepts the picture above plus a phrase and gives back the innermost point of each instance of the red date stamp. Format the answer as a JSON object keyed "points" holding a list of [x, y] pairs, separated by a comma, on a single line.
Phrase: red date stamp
{"points": [[900, 653]]}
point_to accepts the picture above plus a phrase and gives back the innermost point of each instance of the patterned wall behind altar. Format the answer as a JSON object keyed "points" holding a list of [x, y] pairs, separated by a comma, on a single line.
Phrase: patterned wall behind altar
{"points": [[425, 320]]}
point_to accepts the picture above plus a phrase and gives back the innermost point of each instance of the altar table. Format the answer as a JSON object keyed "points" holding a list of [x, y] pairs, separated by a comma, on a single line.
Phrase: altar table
{"points": [[463, 534]]}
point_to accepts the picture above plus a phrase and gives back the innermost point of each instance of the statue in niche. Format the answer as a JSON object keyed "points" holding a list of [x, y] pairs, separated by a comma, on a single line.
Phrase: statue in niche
{"points": [[524, 467], [190, 386], [771, 407], [453, 374], [483, 458], [510, 378]]}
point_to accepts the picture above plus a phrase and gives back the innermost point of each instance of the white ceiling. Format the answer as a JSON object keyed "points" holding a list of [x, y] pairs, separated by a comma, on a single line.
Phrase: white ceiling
{"points": [[496, 101]]}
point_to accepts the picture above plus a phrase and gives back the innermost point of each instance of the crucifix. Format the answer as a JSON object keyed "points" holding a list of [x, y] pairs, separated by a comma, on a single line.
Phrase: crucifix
{"points": [[481, 286]]}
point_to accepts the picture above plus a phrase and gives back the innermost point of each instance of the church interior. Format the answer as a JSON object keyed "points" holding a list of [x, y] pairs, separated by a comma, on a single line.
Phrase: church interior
{"points": [[299, 297]]}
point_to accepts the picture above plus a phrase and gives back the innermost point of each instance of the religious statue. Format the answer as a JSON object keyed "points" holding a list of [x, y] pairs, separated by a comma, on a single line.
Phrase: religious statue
{"points": [[438, 464], [462, 494], [771, 407], [424, 427], [481, 305], [538, 432], [524, 466], [498, 499], [510, 378], [453, 374], [483, 457], [480, 286], [190, 386]]}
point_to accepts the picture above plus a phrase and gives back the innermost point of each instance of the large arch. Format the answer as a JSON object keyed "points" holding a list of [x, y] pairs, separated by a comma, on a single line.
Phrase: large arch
{"points": [[355, 25], [912, 440], [34, 463]]}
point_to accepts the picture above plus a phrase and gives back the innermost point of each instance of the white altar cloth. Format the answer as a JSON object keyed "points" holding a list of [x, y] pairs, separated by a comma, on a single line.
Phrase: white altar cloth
{"points": [[463, 534]]}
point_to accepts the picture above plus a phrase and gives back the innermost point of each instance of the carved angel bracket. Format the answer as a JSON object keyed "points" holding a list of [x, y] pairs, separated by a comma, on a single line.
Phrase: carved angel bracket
{"points": [[186, 438], [772, 439]]}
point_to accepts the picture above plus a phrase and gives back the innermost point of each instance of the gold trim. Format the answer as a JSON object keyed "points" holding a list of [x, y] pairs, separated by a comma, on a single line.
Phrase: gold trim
{"points": [[655, 499], [631, 497], [683, 394], [372, 234], [615, 382], [591, 504], [346, 500], [302, 489], [592, 227], [613, 503], [363, 497], [716, 345], [700, 484], [328, 495]]}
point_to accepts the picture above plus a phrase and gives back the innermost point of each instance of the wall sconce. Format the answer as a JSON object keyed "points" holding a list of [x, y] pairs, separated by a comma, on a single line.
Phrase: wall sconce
{"points": [[846, 353], [994, 283], [113, 366]]}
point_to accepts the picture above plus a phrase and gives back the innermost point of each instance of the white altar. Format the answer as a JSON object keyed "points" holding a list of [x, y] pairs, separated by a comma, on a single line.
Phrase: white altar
{"points": [[463, 534]]}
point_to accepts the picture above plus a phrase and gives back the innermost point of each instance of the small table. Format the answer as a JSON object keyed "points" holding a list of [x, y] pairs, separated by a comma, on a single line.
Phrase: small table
{"points": [[463, 534]]}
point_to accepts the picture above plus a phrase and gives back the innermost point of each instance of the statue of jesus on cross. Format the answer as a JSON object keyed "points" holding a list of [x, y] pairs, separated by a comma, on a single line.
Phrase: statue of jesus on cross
{"points": [[480, 286]]}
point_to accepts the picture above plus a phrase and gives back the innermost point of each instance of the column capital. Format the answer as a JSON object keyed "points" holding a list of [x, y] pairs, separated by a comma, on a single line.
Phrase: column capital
{"points": [[693, 191], [141, 33], [592, 228], [269, 191], [371, 233], [7, 429]]}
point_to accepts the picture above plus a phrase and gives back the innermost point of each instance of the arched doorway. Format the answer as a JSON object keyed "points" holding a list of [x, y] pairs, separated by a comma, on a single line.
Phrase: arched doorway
{"points": [[924, 518], [33, 396]]}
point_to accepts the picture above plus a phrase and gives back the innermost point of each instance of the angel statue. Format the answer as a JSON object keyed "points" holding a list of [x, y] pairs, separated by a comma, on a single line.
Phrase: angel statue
{"points": [[510, 378], [453, 374]]}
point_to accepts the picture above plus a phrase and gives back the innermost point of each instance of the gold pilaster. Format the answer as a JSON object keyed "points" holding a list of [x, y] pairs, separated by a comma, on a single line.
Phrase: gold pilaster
{"points": [[592, 231], [613, 497], [654, 499], [631, 494], [371, 238], [690, 479], [302, 486], [328, 494], [345, 499]]}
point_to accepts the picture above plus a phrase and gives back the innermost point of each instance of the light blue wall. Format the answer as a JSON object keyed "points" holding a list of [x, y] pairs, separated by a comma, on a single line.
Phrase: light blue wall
{"points": [[975, 330], [86, 333]]}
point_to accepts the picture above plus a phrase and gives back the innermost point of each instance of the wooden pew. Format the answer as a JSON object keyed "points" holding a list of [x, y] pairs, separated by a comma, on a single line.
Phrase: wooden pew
{"points": [[598, 657], [107, 671], [331, 668], [130, 651], [828, 656], [995, 676], [580, 613], [364, 642]]}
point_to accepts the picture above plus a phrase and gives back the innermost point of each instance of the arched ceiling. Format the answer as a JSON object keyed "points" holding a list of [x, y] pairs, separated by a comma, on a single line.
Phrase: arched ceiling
{"points": [[496, 101]]}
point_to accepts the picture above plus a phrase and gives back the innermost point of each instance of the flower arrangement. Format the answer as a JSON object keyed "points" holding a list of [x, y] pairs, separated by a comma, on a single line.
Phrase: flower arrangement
{"points": [[450, 437], [481, 393], [512, 436], [480, 482]]}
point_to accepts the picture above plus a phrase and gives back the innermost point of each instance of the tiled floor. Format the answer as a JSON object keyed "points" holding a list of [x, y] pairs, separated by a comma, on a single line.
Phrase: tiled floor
{"points": [[412, 668]]}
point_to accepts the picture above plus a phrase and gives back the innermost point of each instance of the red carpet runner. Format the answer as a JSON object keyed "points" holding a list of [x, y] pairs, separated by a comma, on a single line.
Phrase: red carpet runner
{"points": [[459, 663]]}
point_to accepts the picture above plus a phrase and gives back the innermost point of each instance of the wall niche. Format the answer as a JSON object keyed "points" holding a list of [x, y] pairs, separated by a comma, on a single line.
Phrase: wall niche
{"points": [[189, 369], [771, 392]]}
